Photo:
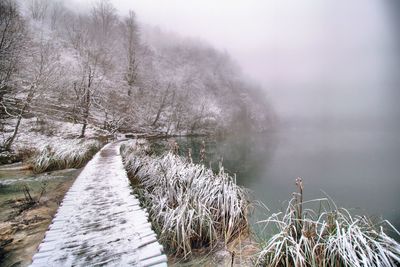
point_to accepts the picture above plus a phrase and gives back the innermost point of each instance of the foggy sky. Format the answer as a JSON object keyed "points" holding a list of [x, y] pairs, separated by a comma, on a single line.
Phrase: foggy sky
{"points": [[314, 58]]}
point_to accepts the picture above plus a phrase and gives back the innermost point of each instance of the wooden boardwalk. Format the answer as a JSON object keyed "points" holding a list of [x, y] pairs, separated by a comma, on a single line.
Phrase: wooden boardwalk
{"points": [[99, 222]]}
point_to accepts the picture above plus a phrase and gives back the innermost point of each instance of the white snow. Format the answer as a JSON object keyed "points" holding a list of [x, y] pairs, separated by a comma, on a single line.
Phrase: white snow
{"points": [[100, 222]]}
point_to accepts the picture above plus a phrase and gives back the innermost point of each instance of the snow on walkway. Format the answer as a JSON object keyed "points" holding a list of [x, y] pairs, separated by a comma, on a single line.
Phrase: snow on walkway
{"points": [[99, 222]]}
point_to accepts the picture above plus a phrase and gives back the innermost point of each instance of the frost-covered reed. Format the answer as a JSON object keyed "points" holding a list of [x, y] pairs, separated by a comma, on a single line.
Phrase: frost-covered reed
{"points": [[190, 206], [330, 237], [72, 153]]}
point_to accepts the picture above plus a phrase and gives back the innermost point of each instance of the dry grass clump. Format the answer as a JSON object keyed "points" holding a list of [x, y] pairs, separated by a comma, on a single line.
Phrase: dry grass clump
{"points": [[68, 154], [331, 237], [190, 206]]}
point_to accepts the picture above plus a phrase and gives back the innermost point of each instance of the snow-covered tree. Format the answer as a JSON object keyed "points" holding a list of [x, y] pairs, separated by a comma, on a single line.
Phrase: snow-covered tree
{"points": [[12, 43], [130, 35], [39, 74], [121, 75], [38, 9]]}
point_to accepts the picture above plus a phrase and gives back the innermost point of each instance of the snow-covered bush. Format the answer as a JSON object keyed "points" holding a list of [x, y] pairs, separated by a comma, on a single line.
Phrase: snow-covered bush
{"points": [[190, 206], [66, 154], [330, 237]]}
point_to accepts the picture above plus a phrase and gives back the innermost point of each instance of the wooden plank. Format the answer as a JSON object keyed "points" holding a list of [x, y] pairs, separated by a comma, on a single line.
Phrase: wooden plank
{"points": [[159, 261], [100, 221]]}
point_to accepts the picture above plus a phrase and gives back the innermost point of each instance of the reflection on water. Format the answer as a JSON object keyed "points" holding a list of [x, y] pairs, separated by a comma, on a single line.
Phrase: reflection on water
{"points": [[336, 91], [359, 169]]}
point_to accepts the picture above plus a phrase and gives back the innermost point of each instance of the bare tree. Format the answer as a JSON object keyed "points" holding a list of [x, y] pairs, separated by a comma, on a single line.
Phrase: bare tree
{"points": [[116, 110], [38, 9], [95, 56], [12, 41], [56, 12], [86, 89], [104, 18], [39, 74], [162, 104], [112, 77], [86, 99], [94, 63], [86, 35], [196, 120], [131, 43], [77, 30]]}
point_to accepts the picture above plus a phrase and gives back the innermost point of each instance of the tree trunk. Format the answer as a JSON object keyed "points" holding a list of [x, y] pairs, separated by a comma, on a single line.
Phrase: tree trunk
{"points": [[160, 109], [86, 102], [83, 129], [10, 140], [85, 114], [157, 116]]}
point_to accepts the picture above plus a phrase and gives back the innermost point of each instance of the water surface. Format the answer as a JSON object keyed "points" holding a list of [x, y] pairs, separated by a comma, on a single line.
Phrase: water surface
{"points": [[359, 168]]}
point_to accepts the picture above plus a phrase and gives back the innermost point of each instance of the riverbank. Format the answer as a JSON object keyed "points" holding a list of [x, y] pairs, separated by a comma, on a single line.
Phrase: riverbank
{"points": [[22, 226], [286, 228], [31, 190], [200, 216]]}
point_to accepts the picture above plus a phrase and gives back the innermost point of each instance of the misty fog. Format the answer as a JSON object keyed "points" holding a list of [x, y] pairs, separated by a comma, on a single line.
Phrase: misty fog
{"points": [[331, 72], [332, 66], [328, 60], [204, 113]]}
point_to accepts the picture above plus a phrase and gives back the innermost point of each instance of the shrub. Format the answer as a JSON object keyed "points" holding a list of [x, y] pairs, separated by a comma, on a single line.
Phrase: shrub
{"points": [[190, 206], [332, 237], [68, 154]]}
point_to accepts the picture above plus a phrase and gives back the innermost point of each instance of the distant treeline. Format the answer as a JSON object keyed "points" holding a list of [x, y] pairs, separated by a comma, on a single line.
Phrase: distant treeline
{"points": [[99, 68]]}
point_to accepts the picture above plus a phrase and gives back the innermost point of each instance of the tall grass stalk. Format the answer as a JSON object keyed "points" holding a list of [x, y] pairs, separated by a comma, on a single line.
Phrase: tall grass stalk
{"points": [[329, 237], [68, 154], [190, 206]]}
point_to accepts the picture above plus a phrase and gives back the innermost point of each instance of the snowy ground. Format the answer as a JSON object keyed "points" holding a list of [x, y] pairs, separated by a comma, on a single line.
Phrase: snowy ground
{"points": [[100, 222], [34, 134]]}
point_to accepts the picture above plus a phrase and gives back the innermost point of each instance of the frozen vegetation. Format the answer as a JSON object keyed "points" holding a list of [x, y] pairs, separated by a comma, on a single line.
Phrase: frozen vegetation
{"points": [[99, 222], [100, 69], [326, 236], [53, 145], [70, 78], [190, 206], [68, 154]]}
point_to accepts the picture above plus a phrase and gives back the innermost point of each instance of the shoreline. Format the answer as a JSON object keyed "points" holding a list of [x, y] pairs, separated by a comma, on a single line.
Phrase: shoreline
{"points": [[211, 230], [23, 231], [240, 250]]}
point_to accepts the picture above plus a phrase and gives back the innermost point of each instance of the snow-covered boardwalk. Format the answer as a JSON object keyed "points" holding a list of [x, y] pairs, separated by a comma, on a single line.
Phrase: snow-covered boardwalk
{"points": [[99, 222]]}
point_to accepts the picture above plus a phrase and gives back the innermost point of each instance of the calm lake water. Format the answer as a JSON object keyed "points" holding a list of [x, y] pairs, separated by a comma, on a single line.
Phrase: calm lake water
{"points": [[333, 79], [358, 169]]}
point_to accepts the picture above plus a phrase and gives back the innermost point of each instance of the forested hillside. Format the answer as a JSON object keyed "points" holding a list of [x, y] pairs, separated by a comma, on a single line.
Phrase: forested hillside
{"points": [[108, 71]]}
